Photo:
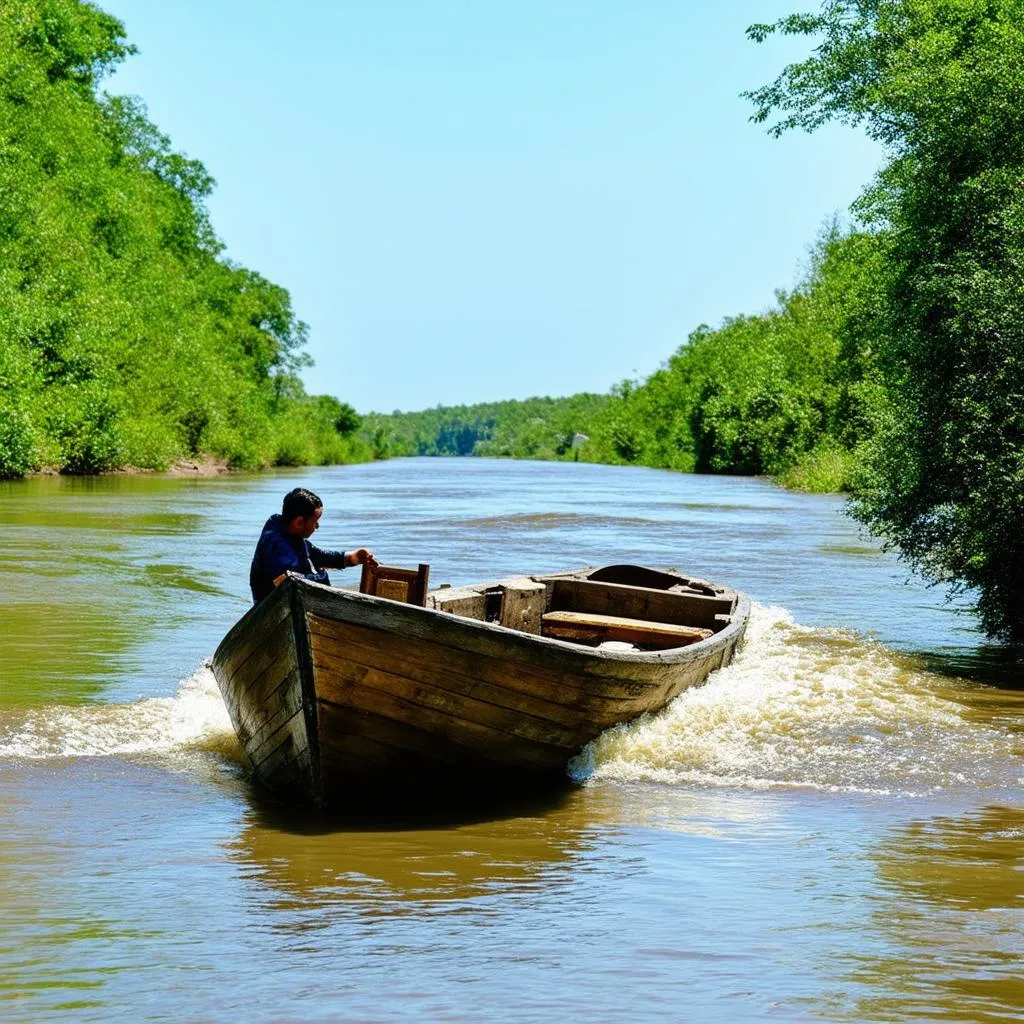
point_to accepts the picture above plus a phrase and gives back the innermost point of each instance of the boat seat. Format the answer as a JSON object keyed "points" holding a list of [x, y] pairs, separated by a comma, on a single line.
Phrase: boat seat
{"points": [[395, 584], [589, 626]]}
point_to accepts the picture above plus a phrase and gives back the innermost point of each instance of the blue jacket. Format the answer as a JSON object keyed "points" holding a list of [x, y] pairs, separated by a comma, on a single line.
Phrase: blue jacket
{"points": [[278, 552]]}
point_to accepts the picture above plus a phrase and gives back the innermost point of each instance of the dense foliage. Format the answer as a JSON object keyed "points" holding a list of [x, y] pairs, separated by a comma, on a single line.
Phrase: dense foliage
{"points": [[125, 336], [785, 392], [941, 84]]}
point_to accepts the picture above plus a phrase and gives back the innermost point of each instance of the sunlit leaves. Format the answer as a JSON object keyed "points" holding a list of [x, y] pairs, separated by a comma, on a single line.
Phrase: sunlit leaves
{"points": [[941, 83], [124, 337]]}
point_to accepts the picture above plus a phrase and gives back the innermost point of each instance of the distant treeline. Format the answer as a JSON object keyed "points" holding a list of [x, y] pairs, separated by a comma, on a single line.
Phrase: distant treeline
{"points": [[536, 428], [126, 337], [788, 392]]}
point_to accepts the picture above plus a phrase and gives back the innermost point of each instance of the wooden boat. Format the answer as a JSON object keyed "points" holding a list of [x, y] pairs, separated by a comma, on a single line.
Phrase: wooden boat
{"points": [[334, 692]]}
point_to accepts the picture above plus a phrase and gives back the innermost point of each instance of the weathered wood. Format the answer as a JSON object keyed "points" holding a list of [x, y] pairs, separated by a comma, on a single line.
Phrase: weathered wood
{"points": [[254, 642], [286, 704], [534, 679], [257, 669], [389, 743], [515, 650], [437, 667], [522, 605], [288, 770], [361, 749], [396, 584], [328, 688], [593, 627], [404, 700], [680, 609], [260, 688], [337, 676], [290, 729], [466, 602]]}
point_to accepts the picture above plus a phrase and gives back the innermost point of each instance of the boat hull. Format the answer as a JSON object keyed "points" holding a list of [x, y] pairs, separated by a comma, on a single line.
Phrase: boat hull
{"points": [[334, 693]]}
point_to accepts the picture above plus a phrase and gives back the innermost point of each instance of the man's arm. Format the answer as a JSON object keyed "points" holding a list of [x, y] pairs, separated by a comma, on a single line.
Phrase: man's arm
{"points": [[322, 559], [361, 556], [339, 559]]}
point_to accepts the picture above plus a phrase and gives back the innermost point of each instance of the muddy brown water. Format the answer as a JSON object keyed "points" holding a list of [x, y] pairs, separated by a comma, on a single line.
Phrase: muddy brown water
{"points": [[831, 829]]}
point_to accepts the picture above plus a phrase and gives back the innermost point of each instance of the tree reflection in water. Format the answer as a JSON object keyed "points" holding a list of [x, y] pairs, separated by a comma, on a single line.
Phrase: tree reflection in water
{"points": [[953, 921]]}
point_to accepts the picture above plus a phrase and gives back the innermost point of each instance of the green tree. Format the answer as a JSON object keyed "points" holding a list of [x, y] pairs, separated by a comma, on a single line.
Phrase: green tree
{"points": [[125, 336], [941, 84]]}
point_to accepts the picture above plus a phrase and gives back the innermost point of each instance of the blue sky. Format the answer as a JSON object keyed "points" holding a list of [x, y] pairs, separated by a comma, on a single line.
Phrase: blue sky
{"points": [[479, 200]]}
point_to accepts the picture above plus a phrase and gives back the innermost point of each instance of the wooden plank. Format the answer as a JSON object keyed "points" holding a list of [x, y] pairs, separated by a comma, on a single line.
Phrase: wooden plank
{"points": [[537, 680], [377, 692], [258, 617], [522, 605], [469, 604], [370, 750], [259, 692], [386, 742], [230, 659], [272, 715], [591, 626], [252, 700], [337, 677], [292, 729], [528, 680], [386, 581], [429, 664], [392, 590], [586, 714], [599, 673], [422, 747], [288, 771], [638, 603], [263, 652]]}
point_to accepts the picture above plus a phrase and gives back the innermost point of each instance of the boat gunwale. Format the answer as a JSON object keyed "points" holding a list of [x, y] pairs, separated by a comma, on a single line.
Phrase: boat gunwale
{"points": [[529, 643], [251, 619]]}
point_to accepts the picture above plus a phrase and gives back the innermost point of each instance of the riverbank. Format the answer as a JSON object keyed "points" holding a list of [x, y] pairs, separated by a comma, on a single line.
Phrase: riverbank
{"points": [[200, 467]]}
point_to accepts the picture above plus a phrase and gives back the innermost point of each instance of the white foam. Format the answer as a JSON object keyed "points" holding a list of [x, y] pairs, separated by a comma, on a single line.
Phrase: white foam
{"points": [[195, 717], [798, 707], [814, 708]]}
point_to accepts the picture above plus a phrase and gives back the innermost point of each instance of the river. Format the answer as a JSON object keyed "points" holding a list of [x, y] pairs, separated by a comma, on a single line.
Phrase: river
{"points": [[831, 829]]}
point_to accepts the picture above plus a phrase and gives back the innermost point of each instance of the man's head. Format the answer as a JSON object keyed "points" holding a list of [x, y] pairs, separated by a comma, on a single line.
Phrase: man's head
{"points": [[301, 511]]}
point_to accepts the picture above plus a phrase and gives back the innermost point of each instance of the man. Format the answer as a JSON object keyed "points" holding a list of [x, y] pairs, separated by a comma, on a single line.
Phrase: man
{"points": [[284, 549]]}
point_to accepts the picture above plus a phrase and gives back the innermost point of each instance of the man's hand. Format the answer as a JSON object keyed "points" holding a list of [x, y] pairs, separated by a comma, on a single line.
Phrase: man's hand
{"points": [[363, 556]]}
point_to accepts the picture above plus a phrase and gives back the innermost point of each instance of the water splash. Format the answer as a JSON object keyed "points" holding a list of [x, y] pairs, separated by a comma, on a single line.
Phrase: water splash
{"points": [[193, 719], [821, 709]]}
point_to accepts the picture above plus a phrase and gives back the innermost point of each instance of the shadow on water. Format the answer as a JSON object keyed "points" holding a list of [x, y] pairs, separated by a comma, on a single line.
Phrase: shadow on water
{"points": [[989, 664], [416, 808], [391, 858]]}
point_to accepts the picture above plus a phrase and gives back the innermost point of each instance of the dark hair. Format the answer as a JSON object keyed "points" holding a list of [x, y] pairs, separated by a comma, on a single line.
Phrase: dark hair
{"points": [[299, 502]]}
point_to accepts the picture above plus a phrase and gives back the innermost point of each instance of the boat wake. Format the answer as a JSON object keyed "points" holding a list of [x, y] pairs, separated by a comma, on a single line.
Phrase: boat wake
{"points": [[820, 709], [193, 719], [799, 707]]}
